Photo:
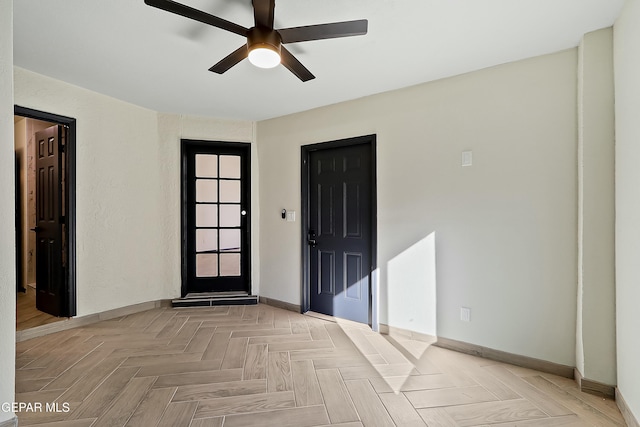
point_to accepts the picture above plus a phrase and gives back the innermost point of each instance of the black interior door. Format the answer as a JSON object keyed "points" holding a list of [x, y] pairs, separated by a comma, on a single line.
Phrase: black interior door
{"points": [[51, 289], [340, 231], [216, 217]]}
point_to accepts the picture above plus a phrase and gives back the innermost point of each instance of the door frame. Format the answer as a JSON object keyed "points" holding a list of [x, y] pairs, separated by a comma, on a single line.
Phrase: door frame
{"points": [[69, 300], [185, 146], [306, 151]]}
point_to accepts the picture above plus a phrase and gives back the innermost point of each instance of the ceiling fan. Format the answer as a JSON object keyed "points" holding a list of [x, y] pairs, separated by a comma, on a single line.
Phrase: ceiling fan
{"points": [[264, 43]]}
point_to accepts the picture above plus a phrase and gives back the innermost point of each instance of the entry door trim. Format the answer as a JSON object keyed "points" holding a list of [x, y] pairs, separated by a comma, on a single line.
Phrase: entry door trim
{"points": [[185, 146], [306, 151], [70, 309]]}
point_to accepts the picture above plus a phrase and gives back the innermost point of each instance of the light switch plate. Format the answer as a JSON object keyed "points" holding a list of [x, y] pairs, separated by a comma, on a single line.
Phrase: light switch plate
{"points": [[291, 216], [467, 158], [465, 314]]}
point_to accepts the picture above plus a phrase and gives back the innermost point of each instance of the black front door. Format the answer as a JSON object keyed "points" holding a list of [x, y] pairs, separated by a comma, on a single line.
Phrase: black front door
{"points": [[340, 229], [216, 219], [51, 289]]}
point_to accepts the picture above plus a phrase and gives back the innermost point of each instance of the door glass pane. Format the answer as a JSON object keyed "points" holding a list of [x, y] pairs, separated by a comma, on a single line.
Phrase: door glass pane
{"points": [[229, 215], [230, 191], [206, 215], [206, 240], [229, 240], [229, 166], [206, 165], [206, 265], [230, 264], [206, 190]]}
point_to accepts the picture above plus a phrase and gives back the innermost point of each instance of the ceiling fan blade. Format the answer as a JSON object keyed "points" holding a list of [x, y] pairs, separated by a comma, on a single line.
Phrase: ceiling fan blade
{"points": [[198, 15], [293, 65], [230, 60], [324, 31], [263, 11]]}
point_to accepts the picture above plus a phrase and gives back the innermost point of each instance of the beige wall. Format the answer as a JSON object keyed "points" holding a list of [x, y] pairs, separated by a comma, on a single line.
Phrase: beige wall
{"points": [[505, 229], [172, 128], [627, 72], [7, 212], [127, 191]]}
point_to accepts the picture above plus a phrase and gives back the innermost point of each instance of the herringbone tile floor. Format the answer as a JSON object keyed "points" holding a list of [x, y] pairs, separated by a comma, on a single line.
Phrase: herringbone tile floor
{"points": [[259, 366]]}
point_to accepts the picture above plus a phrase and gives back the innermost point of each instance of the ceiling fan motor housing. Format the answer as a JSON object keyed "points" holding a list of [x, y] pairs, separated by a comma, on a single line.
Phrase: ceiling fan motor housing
{"points": [[263, 38]]}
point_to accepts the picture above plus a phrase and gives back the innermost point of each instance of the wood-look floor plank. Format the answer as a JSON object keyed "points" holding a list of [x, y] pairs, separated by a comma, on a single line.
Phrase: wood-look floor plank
{"points": [[171, 328], [411, 383], [91, 379], [401, 411], [317, 329], [191, 378], [161, 359], [150, 410], [69, 377], [305, 383], [178, 368], [564, 421], [437, 417], [360, 372], [126, 403], [577, 406], [235, 354], [300, 345], [225, 389], [185, 334], [244, 404], [372, 412], [295, 417], [339, 338], [87, 422], [178, 414], [27, 386], [494, 412], [279, 372], [336, 396], [255, 363], [529, 392], [449, 397], [200, 340], [279, 339], [207, 422], [104, 394], [217, 346]]}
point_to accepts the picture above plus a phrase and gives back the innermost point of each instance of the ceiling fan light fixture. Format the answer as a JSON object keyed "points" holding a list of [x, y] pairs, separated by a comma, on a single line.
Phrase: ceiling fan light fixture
{"points": [[264, 47], [264, 56]]}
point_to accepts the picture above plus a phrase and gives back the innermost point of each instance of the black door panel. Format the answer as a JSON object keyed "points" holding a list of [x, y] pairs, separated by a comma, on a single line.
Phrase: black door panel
{"points": [[216, 217], [340, 217], [50, 271]]}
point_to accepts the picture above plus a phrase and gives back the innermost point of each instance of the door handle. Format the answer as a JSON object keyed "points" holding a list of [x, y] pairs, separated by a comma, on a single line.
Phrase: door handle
{"points": [[312, 239], [36, 229]]}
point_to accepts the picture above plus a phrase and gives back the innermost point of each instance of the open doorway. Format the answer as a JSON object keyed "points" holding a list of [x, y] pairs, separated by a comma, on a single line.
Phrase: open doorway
{"points": [[45, 217]]}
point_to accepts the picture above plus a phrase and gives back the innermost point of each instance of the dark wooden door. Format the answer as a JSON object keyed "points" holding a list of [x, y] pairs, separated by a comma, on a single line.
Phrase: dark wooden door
{"points": [[340, 231], [50, 271], [216, 217]]}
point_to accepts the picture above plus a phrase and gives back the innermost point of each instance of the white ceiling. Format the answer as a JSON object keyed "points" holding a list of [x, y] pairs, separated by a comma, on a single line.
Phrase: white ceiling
{"points": [[158, 60]]}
